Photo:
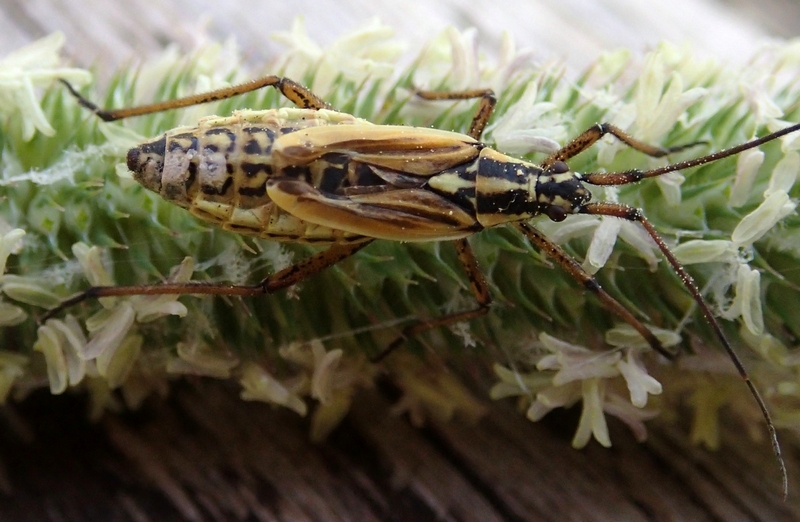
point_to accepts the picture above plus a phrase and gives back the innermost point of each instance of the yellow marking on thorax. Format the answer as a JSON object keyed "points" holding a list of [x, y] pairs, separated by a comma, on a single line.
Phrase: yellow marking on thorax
{"points": [[489, 186], [450, 183]]}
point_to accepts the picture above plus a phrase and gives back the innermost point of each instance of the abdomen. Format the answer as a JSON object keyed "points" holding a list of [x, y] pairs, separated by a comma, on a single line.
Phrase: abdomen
{"points": [[219, 171]]}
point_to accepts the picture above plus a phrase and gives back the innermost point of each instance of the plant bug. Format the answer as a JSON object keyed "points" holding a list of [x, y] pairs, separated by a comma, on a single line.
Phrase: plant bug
{"points": [[311, 174]]}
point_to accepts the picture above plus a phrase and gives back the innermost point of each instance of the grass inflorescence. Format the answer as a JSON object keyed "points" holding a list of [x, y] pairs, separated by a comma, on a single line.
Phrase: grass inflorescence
{"points": [[73, 217]]}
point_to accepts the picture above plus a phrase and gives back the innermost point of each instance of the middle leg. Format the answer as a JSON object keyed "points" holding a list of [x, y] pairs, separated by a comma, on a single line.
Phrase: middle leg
{"points": [[485, 110], [590, 136], [479, 287]]}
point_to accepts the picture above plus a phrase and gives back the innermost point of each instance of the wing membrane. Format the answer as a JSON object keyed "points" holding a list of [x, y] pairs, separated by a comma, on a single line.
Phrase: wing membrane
{"points": [[398, 215]]}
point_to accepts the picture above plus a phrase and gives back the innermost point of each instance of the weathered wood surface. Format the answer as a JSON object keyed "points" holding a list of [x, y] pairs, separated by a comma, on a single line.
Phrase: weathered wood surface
{"points": [[203, 454]]}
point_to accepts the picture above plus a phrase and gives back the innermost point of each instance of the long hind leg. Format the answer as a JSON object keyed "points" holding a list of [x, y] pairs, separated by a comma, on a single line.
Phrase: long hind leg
{"points": [[296, 93], [287, 277]]}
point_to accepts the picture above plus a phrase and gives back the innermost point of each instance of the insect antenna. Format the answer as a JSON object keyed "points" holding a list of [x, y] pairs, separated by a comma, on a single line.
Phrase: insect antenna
{"points": [[632, 176], [633, 214]]}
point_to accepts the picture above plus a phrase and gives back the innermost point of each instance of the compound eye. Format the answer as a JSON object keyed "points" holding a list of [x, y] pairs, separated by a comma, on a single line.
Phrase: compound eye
{"points": [[556, 213], [559, 167]]}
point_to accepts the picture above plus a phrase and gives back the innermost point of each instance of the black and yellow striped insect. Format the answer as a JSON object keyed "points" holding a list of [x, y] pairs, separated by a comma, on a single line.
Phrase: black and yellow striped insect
{"points": [[314, 175]]}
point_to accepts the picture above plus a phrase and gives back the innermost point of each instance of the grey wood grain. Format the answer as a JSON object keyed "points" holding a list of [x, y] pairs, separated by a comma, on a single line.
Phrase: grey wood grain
{"points": [[203, 454]]}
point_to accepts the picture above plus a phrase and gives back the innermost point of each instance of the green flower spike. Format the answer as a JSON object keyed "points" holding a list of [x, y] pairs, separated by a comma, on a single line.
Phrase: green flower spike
{"points": [[73, 217]]}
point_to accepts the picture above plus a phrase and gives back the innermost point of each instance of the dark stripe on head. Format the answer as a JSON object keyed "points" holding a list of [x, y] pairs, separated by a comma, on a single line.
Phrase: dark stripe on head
{"points": [[571, 190]]}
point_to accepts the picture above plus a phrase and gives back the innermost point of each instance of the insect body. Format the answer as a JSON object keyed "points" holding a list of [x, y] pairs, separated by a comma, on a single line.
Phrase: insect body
{"points": [[314, 175], [320, 176]]}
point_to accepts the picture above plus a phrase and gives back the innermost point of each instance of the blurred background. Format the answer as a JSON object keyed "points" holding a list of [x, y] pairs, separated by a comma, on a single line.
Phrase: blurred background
{"points": [[111, 33]]}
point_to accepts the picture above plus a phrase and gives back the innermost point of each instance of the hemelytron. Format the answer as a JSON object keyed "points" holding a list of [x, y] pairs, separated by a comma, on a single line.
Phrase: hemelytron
{"points": [[314, 175]]}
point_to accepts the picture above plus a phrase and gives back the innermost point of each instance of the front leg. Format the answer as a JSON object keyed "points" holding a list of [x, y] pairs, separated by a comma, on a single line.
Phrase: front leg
{"points": [[587, 281], [590, 136]]}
